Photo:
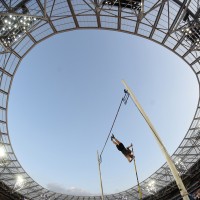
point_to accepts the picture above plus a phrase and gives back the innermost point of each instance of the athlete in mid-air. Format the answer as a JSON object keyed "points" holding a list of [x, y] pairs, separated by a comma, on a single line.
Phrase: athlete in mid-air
{"points": [[125, 150]]}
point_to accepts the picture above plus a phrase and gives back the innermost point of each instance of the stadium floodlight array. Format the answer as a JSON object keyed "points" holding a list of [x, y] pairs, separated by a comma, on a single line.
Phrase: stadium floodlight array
{"points": [[191, 30], [192, 33], [130, 4], [151, 187], [15, 23], [12, 27]]}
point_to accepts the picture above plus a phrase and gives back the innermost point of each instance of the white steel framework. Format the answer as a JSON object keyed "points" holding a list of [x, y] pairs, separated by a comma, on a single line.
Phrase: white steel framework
{"points": [[174, 24]]}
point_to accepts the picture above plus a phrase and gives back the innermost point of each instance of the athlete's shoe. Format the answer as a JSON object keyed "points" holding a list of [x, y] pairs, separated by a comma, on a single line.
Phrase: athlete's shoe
{"points": [[112, 137]]}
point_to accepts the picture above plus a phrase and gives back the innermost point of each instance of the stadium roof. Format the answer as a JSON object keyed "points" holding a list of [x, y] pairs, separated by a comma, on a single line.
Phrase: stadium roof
{"points": [[174, 24]]}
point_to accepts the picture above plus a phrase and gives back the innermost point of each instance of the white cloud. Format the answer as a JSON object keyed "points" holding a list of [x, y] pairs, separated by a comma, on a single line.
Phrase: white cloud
{"points": [[70, 191]]}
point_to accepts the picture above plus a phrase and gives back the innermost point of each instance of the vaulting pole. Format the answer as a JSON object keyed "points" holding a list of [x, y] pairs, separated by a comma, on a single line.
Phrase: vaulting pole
{"points": [[101, 185], [170, 163], [138, 183]]}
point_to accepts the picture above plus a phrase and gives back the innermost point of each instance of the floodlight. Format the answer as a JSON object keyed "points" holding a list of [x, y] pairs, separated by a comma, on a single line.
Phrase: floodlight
{"points": [[151, 183], [20, 183], [151, 187], [192, 33], [2, 153], [3, 157], [16, 24], [127, 4], [20, 180]]}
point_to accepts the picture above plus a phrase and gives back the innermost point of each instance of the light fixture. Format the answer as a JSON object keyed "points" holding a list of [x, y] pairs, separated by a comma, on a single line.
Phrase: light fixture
{"points": [[151, 187], [3, 155], [192, 33], [20, 180], [20, 183], [127, 4], [14, 26], [2, 152]]}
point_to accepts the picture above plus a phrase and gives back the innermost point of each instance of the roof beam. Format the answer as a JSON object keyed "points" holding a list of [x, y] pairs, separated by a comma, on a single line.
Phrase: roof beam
{"points": [[157, 19], [175, 21], [97, 9], [46, 16], [73, 13]]}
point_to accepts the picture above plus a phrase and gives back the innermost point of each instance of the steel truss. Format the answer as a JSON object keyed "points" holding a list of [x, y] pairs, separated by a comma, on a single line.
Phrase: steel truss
{"points": [[171, 23]]}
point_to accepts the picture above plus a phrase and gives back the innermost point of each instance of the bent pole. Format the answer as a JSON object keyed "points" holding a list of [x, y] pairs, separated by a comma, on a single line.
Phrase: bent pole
{"points": [[139, 188], [101, 185], [170, 163]]}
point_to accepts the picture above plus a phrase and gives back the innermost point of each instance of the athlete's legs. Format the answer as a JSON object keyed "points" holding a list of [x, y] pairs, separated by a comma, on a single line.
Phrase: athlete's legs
{"points": [[117, 141], [114, 142]]}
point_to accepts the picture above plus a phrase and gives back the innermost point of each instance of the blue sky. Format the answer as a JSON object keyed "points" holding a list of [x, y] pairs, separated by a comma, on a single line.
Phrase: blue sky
{"points": [[64, 98]]}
